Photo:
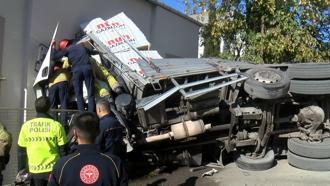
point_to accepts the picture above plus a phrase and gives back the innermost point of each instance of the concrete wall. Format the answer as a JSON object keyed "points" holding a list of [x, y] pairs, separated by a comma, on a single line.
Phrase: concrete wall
{"points": [[173, 36], [15, 14]]}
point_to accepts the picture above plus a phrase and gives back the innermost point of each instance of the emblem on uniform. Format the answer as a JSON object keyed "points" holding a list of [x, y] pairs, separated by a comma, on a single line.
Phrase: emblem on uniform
{"points": [[89, 174]]}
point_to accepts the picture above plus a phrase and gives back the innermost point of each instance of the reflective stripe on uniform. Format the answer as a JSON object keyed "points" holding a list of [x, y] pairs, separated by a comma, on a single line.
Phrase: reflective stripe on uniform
{"points": [[67, 161], [118, 174], [42, 137]]}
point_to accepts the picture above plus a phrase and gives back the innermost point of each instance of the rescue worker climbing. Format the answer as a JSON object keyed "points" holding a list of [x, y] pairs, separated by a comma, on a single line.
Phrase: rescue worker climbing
{"points": [[88, 166], [102, 74], [41, 142], [81, 70], [58, 89]]}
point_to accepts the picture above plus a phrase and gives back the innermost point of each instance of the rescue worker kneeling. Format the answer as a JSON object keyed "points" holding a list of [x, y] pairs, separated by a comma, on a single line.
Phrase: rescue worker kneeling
{"points": [[88, 166]]}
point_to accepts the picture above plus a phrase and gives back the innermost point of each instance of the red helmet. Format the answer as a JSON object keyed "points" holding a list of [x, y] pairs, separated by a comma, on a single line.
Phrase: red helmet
{"points": [[63, 44]]}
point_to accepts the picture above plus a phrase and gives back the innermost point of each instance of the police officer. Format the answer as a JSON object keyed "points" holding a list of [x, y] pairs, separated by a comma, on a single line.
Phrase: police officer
{"points": [[41, 142], [81, 68], [110, 138], [88, 166]]}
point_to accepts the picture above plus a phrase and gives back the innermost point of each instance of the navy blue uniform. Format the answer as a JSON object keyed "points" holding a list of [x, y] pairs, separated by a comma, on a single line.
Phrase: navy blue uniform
{"points": [[82, 70], [87, 166], [110, 138], [59, 93]]}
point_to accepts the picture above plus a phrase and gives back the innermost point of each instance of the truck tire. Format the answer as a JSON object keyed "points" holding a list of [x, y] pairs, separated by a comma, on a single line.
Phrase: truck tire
{"points": [[310, 150], [310, 87], [264, 163], [308, 163], [266, 83], [309, 71]]}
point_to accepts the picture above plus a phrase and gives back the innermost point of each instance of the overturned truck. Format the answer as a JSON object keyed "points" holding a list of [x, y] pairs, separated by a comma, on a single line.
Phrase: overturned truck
{"points": [[245, 108]]}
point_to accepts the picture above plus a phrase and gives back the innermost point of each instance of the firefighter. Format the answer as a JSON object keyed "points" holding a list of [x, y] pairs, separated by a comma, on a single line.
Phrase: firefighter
{"points": [[110, 138], [101, 73], [88, 166], [41, 142], [59, 89], [5, 145], [81, 70]]}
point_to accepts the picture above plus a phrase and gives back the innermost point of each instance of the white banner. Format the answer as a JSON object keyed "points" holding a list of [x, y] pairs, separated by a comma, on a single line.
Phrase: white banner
{"points": [[43, 72], [114, 31]]}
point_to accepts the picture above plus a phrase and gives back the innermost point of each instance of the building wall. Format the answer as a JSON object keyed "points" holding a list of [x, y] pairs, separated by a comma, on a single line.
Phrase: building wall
{"points": [[12, 65], [12, 52], [173, 36]]}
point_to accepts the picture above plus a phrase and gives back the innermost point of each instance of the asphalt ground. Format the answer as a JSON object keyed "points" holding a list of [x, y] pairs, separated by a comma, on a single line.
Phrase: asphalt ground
{"points": [[181, 176], [282, 174]]}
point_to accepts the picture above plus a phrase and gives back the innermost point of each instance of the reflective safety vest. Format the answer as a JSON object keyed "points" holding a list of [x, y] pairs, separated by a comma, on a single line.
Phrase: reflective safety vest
{"points": [[42, 137], [62, 74], [101, 73]]}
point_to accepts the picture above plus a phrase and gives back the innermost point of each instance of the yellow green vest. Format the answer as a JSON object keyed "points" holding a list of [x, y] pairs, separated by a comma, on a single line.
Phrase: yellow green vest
{"points": [[42, 137]]}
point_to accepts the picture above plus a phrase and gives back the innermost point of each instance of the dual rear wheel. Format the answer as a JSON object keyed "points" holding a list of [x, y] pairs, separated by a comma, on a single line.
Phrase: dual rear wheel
{"points": [[302, 154], [309, 155]]}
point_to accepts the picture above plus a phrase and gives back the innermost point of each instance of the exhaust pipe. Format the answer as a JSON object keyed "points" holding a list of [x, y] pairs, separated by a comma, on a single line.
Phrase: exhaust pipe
{"points": [[182, 130]]}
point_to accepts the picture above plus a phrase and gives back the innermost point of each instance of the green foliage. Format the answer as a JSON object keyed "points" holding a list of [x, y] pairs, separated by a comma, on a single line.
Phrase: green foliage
{"points": [[211, 45], [267, 31]]}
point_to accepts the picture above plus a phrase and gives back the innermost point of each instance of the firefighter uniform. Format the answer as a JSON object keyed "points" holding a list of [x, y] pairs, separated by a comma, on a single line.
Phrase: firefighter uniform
{"points": [[59, 90], [87, 166], [101, 73], [81, 71], [42, 138]]}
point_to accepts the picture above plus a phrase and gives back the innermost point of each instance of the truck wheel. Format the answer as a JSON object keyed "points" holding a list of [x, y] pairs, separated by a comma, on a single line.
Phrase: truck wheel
{"points": [[309, 71], [308, 163], [310, 87], [266, 83], [310, 149], [264, 163]]}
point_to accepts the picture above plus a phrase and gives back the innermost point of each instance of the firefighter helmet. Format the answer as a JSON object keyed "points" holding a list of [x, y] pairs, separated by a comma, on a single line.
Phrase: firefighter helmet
{"points": [[64, 43]]}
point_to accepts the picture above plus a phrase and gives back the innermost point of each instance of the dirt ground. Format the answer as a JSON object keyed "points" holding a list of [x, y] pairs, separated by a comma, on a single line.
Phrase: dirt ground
{"points": [[282, 174]]}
